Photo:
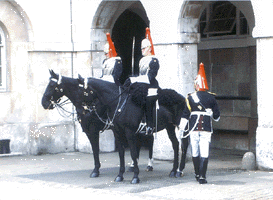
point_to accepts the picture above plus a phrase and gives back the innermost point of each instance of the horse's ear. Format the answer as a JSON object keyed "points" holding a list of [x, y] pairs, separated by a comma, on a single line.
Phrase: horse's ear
{"points": [[80, 79], [52, 73]]}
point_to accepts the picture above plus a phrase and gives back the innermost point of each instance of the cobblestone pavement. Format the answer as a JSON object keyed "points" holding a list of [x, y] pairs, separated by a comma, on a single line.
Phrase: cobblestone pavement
{"points": [[66, 175]]}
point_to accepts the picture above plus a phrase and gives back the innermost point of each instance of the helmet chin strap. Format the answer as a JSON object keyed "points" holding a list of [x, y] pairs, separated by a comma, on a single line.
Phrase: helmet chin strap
{"points": [[147, 51], [85, 83], [60, 79]]}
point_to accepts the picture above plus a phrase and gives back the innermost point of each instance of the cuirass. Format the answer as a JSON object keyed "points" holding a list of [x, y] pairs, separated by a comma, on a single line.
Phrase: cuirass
{"points": [[144, 65], [108, 65]]}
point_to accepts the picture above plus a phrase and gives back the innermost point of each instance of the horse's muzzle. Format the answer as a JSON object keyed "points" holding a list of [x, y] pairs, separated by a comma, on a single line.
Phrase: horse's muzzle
{"points": [[46, 103]]}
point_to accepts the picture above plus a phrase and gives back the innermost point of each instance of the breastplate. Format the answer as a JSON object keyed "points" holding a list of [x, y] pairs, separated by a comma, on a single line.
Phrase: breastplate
{"points": [[144, 65], [108, 66]]}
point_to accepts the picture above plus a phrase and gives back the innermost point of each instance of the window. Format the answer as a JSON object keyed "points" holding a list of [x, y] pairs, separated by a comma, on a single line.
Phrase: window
{"points": [[222, 18], [2, 61]]}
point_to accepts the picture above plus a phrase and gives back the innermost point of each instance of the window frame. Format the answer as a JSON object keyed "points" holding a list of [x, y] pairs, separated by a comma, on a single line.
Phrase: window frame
{"points": [[3, 65], [205, 23]]}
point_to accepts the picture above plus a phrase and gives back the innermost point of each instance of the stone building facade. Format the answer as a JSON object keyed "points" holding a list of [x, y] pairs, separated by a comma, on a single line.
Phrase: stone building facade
{"points": [[232, 38]]}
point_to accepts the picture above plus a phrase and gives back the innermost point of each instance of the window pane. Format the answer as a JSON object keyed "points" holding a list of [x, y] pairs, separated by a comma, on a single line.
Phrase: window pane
{"points": [[221, 26], [202, 27], [223, 19], [243, 26]]}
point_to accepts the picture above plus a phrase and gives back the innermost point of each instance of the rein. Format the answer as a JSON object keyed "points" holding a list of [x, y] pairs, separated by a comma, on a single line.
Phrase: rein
{"points": [[59, 105], [62, 111], [108, 122]]}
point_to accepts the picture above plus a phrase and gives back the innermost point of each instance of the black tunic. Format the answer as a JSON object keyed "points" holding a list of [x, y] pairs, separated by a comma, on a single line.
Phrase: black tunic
{"points": [[196, 111]]}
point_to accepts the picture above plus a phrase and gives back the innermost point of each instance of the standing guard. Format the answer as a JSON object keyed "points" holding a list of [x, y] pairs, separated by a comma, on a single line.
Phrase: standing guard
{"points": [[148, 69], [112, 64], [200, 110]]}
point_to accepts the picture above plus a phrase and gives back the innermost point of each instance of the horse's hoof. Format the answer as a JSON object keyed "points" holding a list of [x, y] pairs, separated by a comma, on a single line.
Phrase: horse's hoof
{"points": [[131, 169], [94, 174], [172, 174], [119, 179], [202, 181], [149, 169], [135, 181], [179, 174]]}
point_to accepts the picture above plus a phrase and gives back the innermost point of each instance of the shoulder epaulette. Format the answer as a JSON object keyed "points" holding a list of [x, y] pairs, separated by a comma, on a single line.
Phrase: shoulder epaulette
{"points": [[189, 94], [212, 93]]}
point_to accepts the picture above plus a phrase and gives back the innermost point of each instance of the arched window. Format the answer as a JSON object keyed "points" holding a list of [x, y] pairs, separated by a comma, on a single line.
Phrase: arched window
{"points": [[2, 61], [222, 18]]}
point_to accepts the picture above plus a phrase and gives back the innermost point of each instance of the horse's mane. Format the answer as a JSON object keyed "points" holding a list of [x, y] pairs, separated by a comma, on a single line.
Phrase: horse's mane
{"points": [[169, 97], [139, 92], [166, 97]]}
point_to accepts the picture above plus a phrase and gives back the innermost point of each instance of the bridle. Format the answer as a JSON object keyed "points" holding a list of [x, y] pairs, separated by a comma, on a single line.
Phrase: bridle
{"points": [[56, 103]]}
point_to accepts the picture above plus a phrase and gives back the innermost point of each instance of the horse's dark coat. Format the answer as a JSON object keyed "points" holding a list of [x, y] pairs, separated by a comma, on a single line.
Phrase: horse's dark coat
{"points": [[126, 122]]}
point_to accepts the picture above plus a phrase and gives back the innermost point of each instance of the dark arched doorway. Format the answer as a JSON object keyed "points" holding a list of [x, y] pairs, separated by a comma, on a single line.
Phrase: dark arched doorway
{"points": [[129, 27]]}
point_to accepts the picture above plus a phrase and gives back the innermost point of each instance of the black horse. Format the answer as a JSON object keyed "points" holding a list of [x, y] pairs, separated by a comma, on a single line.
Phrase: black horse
{"points": [[91, 124], [125, 111]]}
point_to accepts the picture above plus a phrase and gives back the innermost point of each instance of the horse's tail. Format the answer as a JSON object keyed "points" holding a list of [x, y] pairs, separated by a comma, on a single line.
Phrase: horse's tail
{"points": [[170, 99], [173, 101]]}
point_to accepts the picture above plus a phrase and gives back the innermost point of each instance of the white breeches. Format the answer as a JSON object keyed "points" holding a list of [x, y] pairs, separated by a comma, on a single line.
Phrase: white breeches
{"points": [[200, 141]]}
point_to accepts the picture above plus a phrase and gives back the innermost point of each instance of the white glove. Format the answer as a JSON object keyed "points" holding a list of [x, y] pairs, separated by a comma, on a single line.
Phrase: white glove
{"points": [[181, 133], [182, 124], [133, 79], [209, 112], [141, 79]]}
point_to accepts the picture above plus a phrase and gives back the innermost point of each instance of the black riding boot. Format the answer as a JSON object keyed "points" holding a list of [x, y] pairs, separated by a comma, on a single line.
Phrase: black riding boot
{"points": [[196, 164], [203, 170], [150, 104]]}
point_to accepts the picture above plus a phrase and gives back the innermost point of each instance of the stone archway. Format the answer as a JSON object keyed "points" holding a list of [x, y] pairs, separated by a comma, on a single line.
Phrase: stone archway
{"points": [[108, 19], [112, 17], [127, 34], [189, 38]]}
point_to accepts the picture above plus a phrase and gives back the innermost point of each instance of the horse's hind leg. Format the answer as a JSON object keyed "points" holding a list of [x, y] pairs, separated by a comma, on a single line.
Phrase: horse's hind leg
{"points": [[175, 144], [184, 147]]}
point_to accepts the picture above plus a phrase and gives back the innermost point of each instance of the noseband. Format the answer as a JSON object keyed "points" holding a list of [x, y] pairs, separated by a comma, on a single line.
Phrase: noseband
{"points": [[58, 89]]}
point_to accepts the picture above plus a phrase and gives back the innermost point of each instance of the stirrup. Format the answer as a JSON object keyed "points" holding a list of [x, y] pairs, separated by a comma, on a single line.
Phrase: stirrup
{"points": [[149, 130], [141, 128]]}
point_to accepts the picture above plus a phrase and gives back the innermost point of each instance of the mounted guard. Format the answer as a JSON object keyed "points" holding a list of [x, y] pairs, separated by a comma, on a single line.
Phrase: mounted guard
{"points": [[148, 69], [198, 114], [112, 64]]}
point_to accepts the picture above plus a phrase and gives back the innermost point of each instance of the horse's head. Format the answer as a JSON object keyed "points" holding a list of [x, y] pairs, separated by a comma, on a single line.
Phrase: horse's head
{"points": [[86, 90], [53, 92]]}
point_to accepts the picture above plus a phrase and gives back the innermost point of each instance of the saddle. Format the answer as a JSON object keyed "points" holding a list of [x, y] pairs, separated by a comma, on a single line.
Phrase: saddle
{"points": [[166, 97]]}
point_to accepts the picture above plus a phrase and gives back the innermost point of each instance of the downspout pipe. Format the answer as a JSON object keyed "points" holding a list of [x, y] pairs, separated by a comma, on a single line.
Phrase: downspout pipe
{"points": [[72, 74]]}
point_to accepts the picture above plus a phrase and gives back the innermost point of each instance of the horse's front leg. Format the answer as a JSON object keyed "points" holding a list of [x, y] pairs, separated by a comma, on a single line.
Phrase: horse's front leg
{"points": [[138, 145], [175, 144], [93, 137], [134, 155]]}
